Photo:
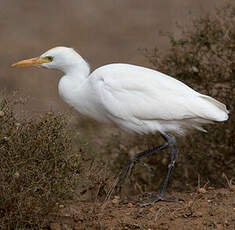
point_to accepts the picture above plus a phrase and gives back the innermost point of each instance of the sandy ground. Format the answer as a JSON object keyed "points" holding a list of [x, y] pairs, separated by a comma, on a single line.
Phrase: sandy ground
{"points": [[214, 209]]}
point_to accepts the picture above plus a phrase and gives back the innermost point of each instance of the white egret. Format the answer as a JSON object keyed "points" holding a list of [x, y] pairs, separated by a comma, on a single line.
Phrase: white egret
{"points": [[134, 98]]}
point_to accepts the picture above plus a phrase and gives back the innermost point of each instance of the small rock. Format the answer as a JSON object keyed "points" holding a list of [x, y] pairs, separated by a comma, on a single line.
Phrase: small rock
{"points": [[17, 124], [202, 190], [49, 113], [232, 187], [6, 138], [197, 214], [2, 114], [77, 217], [195, 69], [61, 206], [17, 175], [55, 226], [115, 201], [219, 226], [130, 205]]}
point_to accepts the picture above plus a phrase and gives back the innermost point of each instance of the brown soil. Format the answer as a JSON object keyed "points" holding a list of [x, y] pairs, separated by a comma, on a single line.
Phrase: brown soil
{"points": [[206, 209]]}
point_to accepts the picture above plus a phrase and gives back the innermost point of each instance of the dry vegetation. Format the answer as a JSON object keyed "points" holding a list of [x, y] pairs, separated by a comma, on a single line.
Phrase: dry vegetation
{"points": [[44, 163], [37, 168]]}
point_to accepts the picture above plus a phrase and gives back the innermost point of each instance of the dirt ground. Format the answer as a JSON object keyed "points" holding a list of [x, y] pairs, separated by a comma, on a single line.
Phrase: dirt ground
{"points": [[208, 209]]}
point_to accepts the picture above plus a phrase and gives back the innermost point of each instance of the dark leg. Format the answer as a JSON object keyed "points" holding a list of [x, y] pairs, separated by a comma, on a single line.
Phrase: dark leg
{"points": [[174, 155], [151, 169], [160, 195], [135, 159]]}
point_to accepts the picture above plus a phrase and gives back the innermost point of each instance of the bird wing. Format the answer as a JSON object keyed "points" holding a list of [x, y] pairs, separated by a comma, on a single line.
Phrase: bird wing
{"points": [[131, 92]]}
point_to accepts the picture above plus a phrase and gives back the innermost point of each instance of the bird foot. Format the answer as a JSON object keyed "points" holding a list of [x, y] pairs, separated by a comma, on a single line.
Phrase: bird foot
{"points": [[142, 202], [155, 198]]}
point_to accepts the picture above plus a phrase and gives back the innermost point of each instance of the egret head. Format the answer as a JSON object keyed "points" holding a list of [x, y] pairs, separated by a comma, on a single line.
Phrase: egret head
{"points": [[61, 58]]}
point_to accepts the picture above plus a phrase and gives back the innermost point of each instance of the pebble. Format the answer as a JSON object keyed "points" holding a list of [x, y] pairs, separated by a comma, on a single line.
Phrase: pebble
{"points": [[202, 190], [197, 214], [130, 205], [232, 187], [115, 201], [17, 175]]}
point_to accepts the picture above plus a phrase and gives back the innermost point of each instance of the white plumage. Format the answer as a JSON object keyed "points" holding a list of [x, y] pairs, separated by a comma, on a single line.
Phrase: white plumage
{"points": [[144, 100], [135, 98]]}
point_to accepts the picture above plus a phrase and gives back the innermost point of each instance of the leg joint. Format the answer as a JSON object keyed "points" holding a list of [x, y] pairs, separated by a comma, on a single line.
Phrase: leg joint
{"points": [[170, 139], [172, 164]]}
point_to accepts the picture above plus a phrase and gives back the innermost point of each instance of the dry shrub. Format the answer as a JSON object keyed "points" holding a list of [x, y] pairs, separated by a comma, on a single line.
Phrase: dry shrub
{"points": [[44, 162], [38, 168], [204, 58]]}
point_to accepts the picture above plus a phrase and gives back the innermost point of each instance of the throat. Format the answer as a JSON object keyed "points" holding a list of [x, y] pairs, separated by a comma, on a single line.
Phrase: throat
{"points": [[79, 70], [71, 86]]}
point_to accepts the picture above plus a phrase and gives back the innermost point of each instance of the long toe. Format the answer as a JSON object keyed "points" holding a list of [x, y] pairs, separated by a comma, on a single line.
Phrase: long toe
{"points": [[150, 199], [155, 198]]}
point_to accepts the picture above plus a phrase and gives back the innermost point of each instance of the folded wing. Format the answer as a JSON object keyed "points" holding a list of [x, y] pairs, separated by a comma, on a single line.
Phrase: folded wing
{"points": [[137, 94]]}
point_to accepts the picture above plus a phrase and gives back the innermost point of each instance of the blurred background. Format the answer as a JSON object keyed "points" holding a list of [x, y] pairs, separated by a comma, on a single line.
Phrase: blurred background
{"points": [[48, 158], [102, 31]]}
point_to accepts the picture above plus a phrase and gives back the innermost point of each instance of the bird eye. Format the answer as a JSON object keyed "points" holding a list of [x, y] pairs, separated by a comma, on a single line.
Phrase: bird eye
{"points": [[50, 58]]}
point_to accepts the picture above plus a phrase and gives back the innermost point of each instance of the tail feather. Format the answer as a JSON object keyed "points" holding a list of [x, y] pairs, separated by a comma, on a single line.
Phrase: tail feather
{"points": [[221, 113]]}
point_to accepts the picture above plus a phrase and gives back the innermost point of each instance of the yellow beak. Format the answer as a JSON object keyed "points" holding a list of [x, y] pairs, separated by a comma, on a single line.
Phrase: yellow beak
{"points": [[30, 62]]}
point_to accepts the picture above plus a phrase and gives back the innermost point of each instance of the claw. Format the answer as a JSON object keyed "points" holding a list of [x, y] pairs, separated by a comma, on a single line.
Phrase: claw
{"points": [[157, 198], [151, 198]]}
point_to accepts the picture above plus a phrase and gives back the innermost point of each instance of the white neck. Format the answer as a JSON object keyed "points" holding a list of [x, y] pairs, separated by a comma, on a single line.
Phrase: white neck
{"points": [[70, 85], [78, 69]]}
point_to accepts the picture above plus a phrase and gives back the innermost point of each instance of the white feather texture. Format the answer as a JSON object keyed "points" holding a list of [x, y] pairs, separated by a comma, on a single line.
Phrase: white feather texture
{"points": [[135, 98]]}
